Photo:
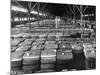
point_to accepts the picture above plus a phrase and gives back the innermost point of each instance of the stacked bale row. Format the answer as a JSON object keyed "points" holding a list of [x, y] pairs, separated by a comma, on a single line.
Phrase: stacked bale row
{"points": [[45, 52]]}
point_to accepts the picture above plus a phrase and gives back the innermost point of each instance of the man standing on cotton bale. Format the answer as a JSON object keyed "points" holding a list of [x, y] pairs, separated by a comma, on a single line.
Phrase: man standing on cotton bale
{"points": [[57, 20]]}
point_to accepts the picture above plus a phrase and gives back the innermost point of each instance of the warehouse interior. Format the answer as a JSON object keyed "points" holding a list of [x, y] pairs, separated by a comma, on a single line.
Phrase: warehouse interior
{"points": [[52, 37]]}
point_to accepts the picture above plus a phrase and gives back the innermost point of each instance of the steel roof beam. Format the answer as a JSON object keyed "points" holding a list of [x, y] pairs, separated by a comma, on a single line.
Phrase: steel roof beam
{"points": [[85, 9], [34, 6], [29, 5], [19, 4], [71, 9], [79, 9]]}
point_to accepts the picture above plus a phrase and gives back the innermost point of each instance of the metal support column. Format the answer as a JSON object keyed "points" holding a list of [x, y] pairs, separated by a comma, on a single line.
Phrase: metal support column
{"points": [[38, 13], [29, 20], [74, 14], [29, 16], [81, 19], [81, 10], [43, 8]]}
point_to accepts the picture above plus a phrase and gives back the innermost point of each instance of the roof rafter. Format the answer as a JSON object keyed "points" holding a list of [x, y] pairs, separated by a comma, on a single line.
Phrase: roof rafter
{"points": [[34, 6], [19, 4], [85, 9], [70, 9]]}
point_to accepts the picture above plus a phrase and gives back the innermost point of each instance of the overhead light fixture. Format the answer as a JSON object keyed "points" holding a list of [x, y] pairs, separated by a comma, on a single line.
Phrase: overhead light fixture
{"points": [[40, 14], [16, 8], [16, 19], [89, 15], [34, 12], [25, 19]]}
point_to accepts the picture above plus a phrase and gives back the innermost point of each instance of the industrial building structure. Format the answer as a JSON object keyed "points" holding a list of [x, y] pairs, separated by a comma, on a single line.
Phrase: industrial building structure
{"points": [[52, 37]]}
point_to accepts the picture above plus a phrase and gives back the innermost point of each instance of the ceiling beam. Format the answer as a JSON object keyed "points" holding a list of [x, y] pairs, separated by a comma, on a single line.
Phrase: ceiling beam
{"points": [[29, 6], [43, 7], [19, 4], [34, 6], [70, 9], [85, 9], [79, 9]]}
